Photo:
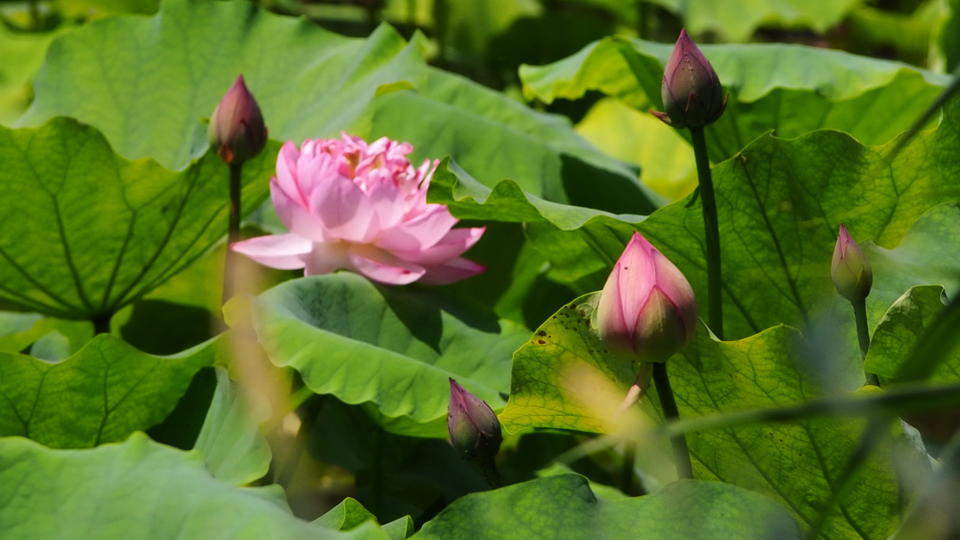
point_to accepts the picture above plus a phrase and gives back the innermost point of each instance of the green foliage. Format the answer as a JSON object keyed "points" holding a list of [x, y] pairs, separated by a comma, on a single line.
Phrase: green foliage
{"points": [[788, 89], [115, 220], [796, 463], [780, 203], [544, 507], [392, 348], [100, 394], [93, 231], [736, 20], [149, 96], [901, 328]]}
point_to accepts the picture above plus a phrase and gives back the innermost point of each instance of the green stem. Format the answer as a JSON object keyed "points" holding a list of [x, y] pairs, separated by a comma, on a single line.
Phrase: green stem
{"points": [[233, 231], [863, 334], [101, 323], [490, 473], [899, 400], [628, 483], [669, 405], [711, 231], [34, 8]]}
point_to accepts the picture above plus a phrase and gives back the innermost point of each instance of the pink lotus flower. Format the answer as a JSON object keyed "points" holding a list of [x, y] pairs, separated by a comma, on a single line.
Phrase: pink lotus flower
{"points": [[646, 309], [362, 207]]}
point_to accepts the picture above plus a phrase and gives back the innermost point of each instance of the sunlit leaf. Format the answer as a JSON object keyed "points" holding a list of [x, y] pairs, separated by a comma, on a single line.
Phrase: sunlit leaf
{"points": [[390, 347]]}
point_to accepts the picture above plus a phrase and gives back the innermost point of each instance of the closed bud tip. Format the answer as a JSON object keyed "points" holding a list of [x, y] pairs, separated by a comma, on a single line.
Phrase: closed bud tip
{"points": [[236, 126], [691, 91], [850, 269], [474, 428], [647, 309]]}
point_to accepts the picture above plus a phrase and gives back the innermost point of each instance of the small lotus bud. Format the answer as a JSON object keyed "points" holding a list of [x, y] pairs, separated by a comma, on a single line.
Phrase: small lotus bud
{"points": [[691, 91], [850, 269], [474, 428], [646, 309], [236, 126]]}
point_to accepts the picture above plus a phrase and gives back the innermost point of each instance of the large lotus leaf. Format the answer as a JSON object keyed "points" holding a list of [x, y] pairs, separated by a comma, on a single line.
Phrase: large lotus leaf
{"points": [[393, 348], [137, 487], [780, 203], [736, 20], [150, 94], [564, 506], [102, 393], [789, 89], [796, 463], [87, 231]]}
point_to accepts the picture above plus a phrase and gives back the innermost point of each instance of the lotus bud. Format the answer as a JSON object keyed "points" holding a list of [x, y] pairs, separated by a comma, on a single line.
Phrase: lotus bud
{"points": [[236, 126], [474, 428], [850, 269], [647, 310], [691, 91]]}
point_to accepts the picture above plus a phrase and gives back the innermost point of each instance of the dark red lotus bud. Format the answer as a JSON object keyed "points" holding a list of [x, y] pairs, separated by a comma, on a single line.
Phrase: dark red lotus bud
{"points": [[474, 428], [236, 126], [691, 91]]}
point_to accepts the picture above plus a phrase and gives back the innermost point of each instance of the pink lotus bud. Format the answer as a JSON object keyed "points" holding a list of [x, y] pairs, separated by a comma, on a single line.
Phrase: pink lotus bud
{"points": [[361, 207], [474, 428], [646, 309], [691, 91], [236, 126], [850, 269]]}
